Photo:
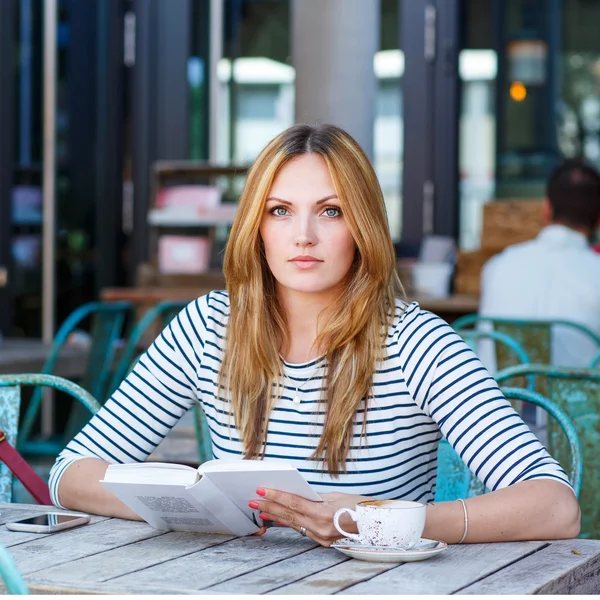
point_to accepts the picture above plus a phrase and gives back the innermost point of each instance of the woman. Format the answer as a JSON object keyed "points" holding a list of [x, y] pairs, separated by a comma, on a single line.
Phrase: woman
{"points": [[312, 356]]}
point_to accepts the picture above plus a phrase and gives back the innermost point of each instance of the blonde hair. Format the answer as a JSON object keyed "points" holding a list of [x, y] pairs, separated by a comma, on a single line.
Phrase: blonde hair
{"points": [[353, 338]]}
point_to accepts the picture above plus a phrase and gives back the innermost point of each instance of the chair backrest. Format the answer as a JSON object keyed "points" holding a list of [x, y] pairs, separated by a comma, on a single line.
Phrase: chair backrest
{"points": [[534, 335], [107, 320], [10, 574], [10, 402], [503, 340], [455, 480], [577, 392], [471, 336], [163, 313]]}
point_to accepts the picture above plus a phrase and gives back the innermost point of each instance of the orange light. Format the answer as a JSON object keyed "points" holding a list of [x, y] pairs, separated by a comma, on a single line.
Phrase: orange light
{"points": [[518, 92]]}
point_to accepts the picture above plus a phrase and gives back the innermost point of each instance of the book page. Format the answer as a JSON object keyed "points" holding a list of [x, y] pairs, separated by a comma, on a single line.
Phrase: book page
{"points": [[240, 522], [240, 485], [239, 464], [150, 472], [169, 507]]}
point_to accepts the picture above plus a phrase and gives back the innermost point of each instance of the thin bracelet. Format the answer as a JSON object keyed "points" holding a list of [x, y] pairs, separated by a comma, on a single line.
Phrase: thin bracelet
{"points": [[464, 537]]}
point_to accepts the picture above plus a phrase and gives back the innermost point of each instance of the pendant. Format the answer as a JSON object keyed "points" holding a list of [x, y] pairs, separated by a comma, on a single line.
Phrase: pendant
{"points": [[296, 399]]}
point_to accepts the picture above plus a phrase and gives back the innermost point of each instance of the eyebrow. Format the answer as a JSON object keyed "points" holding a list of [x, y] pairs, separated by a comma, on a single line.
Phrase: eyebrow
{"points": [[272, 198]]}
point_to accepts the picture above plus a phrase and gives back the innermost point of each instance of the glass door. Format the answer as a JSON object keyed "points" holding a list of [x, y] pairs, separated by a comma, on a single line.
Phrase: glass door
{"points": [[530, 73], [83, 34]]}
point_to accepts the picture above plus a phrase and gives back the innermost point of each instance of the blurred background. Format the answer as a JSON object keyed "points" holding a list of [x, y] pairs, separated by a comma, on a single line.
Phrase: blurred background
{"points": [[105, 104]]}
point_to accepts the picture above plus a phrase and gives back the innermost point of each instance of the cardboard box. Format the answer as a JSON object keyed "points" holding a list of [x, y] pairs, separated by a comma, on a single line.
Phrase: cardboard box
{"points": [[507, 222], [468, 270]]}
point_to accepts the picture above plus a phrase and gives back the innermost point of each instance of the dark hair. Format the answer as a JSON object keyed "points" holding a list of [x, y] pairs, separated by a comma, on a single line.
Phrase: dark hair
{"points": [[574, 194]]}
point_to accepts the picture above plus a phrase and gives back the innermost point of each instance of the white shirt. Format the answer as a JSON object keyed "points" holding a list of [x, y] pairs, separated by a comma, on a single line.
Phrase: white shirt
{"points": [[555, 276]]}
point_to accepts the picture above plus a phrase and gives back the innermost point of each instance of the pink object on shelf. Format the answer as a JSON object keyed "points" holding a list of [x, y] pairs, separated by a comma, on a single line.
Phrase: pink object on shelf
{"points": [[201, 197], [180, 254]]}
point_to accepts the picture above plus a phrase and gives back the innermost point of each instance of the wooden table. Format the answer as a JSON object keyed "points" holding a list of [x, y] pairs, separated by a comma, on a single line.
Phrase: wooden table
{"points": [[28, 356], [145, 297], [111, 555]]}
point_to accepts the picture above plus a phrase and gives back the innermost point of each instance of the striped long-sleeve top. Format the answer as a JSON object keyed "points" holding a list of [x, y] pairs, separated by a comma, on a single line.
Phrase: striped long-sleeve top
{"points": [[430, 383]]}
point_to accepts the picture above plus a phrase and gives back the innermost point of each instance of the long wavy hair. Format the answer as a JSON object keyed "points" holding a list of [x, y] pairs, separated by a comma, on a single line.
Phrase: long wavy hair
{"points": [[353, 338]]}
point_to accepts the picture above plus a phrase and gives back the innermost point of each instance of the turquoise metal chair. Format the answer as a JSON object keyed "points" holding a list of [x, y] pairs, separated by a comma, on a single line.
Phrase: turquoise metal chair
{"points": [[472, 336], [10, 574], [535, 336], [577, 393], [163, 313], [455, 480], [106, 329], [10, 404]]}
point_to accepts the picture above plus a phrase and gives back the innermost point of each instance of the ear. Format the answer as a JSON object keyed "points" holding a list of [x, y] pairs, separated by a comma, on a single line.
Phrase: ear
{"points": [[547, 212]]}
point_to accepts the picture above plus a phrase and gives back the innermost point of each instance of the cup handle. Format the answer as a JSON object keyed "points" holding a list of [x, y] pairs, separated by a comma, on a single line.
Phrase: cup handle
{"points": [[336, 522]]}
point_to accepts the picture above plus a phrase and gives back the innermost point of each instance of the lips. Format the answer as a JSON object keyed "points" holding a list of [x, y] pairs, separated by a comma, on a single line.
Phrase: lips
{"points": [[305, 258], [305, 262]]}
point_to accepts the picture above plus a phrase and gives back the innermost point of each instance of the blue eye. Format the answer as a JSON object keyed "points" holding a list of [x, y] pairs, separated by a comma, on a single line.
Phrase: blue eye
{"points": [[332, 212], [279, 211]]}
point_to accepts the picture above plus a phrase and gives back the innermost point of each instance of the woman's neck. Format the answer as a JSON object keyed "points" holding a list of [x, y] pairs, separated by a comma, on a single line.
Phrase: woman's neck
{"points": [[305, 315]]}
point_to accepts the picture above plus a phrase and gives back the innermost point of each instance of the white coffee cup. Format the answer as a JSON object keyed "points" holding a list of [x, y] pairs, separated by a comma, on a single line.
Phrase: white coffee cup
{"points": [[385, 522]]}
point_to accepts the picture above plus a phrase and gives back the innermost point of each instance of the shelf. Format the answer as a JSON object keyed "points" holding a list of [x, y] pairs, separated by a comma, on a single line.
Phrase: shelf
{"points": [[169, 217]]}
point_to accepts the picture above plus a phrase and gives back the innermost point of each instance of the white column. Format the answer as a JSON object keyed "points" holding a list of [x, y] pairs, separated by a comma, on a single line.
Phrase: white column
{"points": [[333, 47], [216, 136], [49, 186]]}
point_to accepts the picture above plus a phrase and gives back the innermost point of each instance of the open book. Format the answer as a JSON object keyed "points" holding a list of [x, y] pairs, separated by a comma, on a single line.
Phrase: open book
{"points": [[213, 498]]}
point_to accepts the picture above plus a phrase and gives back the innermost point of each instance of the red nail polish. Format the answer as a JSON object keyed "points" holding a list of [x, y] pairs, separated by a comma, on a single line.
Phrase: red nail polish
{"points": [[261, 492], [253, 504], [280, 524], [264, 517]]}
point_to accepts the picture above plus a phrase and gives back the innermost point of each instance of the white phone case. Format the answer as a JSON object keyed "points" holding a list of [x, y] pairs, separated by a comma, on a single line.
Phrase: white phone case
{"points": [[51, 528]]}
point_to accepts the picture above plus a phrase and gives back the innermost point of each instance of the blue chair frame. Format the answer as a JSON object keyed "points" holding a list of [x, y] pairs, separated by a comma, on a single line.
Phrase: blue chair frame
{"points": [[10, 403], [455, 480], [108, 320], [577, 392], [10, 574], [529, 325], [164, 312], [472, 335]]}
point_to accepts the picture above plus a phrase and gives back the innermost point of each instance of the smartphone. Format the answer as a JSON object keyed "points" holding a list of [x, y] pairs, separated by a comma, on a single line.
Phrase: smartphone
{"points": [[49, 523]]}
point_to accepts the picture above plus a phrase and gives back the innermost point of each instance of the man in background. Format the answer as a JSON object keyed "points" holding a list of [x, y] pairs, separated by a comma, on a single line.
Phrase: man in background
{"points": [[556, 275]]}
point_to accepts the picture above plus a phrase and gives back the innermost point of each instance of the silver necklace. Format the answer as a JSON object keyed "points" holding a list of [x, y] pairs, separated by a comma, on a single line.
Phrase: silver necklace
{"points": [[296, 399]]}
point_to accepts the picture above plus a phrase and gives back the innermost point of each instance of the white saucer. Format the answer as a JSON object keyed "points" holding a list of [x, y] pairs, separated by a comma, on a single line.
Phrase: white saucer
{"points": [[422, 551]]}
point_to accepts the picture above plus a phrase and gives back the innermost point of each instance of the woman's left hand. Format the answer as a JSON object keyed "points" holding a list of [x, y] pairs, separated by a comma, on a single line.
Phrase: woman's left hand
{"points": [[316, 517]]}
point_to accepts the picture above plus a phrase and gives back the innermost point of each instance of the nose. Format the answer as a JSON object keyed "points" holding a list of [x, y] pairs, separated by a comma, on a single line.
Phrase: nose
{"points": [[305, 231]]}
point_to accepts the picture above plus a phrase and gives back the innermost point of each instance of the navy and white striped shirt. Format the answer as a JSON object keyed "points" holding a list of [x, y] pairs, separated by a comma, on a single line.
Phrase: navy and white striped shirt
{"points": [[430, 383]]}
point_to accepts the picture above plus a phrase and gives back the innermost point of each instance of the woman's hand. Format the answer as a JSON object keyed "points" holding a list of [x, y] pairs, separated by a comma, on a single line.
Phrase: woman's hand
{"points": [[316, 517]]}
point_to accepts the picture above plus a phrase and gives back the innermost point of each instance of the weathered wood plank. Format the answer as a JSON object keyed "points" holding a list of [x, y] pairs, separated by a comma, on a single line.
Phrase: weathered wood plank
{"points": [[443, 574], [65, 587], [552, 570], [220, 563], [132, 558], [64, 547], [336, 578], [267, 579]]}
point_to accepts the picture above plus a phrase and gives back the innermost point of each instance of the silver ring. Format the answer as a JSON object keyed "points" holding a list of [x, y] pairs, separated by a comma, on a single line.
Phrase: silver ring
{"points": [[302, 531]]}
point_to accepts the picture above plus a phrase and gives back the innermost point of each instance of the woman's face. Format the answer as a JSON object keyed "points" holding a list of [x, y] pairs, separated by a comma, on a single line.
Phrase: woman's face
{"points": [[308, 245]]}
